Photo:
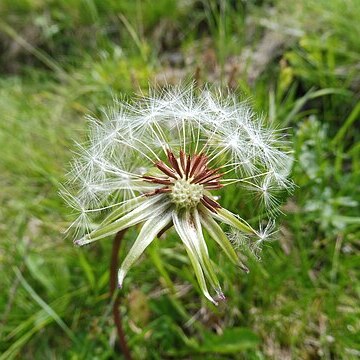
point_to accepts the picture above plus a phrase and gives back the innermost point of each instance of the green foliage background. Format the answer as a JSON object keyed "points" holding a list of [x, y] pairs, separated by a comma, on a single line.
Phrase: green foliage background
{"points": [[299, 62]]}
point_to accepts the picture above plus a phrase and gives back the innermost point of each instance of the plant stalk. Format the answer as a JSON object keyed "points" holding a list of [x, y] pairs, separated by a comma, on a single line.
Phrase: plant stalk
{"points": [[114, 264]]}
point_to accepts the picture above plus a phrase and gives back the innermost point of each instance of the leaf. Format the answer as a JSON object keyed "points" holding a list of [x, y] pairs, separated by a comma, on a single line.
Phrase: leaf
{"points": [[311, 94], [231, 341], [347, 124], [44, 305], [88, 270]]}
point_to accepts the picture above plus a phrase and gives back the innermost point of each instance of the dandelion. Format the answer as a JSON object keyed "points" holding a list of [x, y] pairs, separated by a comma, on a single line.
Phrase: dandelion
{"points": [[161, 161]]}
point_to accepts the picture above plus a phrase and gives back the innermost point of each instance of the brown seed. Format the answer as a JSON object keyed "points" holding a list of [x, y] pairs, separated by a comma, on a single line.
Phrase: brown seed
{"points": [[183, 161], [199, 163], [211, 202], [188, 163], [204, 175], [156, 180], [208, 206], [165, 169], [174, 162]]}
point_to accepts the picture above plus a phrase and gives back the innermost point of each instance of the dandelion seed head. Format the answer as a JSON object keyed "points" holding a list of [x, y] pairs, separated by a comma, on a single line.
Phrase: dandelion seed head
{"points": [[160, 160]]}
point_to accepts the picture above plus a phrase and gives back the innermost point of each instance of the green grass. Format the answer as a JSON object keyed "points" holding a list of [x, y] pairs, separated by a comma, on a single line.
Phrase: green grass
{"points": [[300, 301]]}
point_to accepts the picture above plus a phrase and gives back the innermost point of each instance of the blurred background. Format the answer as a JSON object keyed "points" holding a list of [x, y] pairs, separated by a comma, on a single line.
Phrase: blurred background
{"points": [[299, 64]]}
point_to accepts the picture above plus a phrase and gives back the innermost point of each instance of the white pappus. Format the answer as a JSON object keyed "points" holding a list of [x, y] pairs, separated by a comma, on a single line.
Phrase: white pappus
{"points": [[161, 160]]}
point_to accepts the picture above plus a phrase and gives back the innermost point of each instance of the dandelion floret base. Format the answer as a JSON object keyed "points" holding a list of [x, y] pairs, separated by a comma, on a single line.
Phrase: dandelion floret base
{"points": [[185, 194]]}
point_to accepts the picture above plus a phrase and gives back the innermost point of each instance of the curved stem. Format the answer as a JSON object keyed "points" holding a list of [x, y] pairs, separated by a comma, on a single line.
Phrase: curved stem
{"points": [[113, 285]]}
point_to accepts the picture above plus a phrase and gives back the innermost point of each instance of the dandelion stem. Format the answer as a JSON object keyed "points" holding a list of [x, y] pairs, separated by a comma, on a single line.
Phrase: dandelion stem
{"points": [[113, 287]]}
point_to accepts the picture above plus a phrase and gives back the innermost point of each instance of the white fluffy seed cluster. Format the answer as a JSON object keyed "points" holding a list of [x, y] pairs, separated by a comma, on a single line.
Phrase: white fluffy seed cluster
{"points": [[123, 147]]}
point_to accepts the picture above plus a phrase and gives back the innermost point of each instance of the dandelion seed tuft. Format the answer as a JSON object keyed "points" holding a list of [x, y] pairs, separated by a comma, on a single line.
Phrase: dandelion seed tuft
{"points": [[161, 161]]}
